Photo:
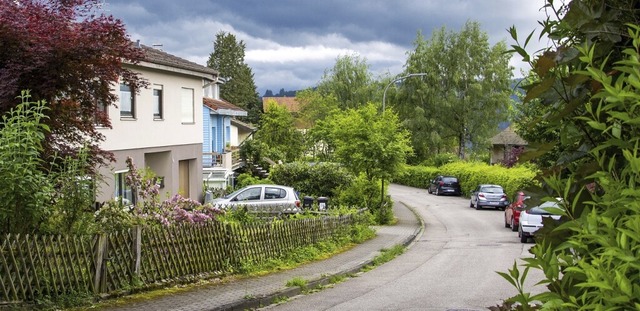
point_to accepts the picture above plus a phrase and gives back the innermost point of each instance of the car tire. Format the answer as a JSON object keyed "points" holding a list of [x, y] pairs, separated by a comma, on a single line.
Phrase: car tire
{"points": [[478, 207], [513, 225], [429, 190], [437, 191], [523, 238], [506, 224], [470, 204]]}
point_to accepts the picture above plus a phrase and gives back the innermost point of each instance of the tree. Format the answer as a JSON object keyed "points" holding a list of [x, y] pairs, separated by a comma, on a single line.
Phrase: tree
{"points": [[69, 55], [239, 88], [464, 94], [278, 132], [349, 81], [367, 142]]}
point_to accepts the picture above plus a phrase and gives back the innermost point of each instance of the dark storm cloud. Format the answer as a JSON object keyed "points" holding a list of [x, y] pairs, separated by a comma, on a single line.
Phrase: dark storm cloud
{"points": [[289, 43]]}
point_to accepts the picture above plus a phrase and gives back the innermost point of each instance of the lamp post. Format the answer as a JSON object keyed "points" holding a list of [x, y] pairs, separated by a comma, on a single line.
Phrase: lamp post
{"points": [[384, 97]]}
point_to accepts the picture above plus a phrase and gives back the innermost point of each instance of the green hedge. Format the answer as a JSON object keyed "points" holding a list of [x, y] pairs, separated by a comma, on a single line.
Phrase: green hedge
{"points": [[470, 175], [317, 179]]}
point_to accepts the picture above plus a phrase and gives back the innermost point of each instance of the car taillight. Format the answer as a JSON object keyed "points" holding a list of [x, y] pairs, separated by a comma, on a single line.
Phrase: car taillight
{"points": [[441, 183], [504, 197], [481, 195], [297, 203]]}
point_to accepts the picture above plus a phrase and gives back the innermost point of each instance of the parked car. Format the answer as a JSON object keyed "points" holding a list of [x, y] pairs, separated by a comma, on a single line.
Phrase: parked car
{"points": [[531, 220], [488, 195], [445, 185], [512, 212], [262, 198]]}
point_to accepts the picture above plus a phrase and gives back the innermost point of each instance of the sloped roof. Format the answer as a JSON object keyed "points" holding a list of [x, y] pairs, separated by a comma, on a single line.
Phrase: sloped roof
{"points": [[160, 57], [243, 125], [223, 107], [290, 103], [508, 137]]}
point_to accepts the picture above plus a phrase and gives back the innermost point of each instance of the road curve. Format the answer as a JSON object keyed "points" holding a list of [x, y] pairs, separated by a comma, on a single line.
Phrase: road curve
{"points": [[451, 266]]}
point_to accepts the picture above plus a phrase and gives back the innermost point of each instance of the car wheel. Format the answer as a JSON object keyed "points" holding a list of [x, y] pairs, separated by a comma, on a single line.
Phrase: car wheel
{"points": [[470, 204], [437, 191], [478, 207], [513, 225], [523, 238], [506, 224], [429, 190]]}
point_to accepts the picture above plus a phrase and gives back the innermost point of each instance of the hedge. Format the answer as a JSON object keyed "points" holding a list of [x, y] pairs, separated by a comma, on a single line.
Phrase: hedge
{"points": [[470, 174]]}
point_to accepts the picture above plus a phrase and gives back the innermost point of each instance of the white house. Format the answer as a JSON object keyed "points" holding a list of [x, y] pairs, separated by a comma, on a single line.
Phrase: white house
{"points": [[159, 127]]}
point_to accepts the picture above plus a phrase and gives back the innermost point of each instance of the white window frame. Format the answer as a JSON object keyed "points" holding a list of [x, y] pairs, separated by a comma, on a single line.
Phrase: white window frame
{"points": [[158, 101], [127, 101], [187, 106]]}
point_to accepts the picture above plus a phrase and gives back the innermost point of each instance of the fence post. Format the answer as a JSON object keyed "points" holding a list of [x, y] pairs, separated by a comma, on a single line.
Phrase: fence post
{"points": [[99, 262], [137, 252]]}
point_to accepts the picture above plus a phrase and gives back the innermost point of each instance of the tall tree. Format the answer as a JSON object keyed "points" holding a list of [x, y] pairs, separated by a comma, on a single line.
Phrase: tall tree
{"points": [[69, 54], [349, 81], [239, 89], [464, 93]]}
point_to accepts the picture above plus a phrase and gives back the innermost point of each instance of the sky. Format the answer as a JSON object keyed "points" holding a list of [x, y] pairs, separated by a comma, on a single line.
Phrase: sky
{"points": [[290, 44]]}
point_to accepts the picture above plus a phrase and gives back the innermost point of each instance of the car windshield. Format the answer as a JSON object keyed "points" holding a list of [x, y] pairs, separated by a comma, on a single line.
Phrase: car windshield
{"points": [[539, 210], [492, 189], [449, 179]]}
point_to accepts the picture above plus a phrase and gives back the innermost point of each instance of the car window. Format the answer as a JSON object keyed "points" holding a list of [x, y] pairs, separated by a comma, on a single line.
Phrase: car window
{"points": [[250, 194], [492, 189], [450, 179], [272, 193]]}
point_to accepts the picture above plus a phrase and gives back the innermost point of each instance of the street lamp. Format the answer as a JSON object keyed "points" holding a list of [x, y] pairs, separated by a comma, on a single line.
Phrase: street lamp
{"points": [[384, 97]]}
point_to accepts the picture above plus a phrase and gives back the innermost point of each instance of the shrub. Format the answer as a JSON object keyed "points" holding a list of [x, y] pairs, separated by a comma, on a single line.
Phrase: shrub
{"points": [[319, 179], [416, 176]]}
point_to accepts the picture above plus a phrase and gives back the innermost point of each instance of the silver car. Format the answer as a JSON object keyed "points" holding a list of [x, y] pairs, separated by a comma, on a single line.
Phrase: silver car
{"points": [[489, 195], [263, 199]]}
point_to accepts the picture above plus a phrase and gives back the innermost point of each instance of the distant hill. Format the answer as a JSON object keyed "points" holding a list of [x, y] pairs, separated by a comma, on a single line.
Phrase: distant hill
{"points": [[282, 93]]}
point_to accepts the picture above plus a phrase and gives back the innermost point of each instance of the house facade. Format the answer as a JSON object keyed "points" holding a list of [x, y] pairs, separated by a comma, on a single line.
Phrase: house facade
{"points": [[504, 144], [223, 134], [159, 127]]}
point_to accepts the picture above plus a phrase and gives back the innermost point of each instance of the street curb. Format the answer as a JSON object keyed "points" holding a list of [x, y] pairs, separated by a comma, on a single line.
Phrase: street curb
{"points": [[266, 300]]}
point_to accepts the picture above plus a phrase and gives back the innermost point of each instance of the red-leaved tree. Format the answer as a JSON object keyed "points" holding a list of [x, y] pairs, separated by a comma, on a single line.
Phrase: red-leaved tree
{"points": [[68, 53]]}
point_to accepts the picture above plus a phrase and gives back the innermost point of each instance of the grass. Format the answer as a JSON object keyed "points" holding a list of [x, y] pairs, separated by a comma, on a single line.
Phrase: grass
{"points": [[386, 255]]}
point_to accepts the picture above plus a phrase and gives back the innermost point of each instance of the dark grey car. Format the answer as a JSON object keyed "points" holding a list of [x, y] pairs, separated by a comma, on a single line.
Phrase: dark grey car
{"points": [[489, 195], [445, 185]]}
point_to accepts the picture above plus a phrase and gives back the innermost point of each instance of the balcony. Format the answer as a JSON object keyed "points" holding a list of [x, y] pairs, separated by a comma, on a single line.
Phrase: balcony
{"points": [[228, 160]]}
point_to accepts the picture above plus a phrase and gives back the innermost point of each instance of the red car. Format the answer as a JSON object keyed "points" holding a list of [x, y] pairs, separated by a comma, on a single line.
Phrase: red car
{"points": [[512, 212]]}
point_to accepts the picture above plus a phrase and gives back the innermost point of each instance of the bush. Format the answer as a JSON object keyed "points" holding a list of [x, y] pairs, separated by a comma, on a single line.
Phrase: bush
{"points": [[320, 179], [416, 176]]}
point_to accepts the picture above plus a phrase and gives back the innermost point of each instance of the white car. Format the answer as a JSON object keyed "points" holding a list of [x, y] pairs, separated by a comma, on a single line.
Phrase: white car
{"points": [[531, 220], [262, 198]]}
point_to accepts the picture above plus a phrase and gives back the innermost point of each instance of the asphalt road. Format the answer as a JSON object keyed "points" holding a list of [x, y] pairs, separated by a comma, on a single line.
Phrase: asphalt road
{"points": [[452, 266]]}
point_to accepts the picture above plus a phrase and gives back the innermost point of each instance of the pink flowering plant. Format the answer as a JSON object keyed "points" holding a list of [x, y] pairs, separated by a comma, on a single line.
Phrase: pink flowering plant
{"points": [[149, 209]]}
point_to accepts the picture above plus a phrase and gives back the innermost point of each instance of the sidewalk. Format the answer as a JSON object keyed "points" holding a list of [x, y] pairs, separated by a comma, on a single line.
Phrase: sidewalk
{"points": [[251, 293]]}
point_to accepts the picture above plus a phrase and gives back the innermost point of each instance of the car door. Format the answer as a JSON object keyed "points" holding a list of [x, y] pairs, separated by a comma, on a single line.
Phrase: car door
{"points": [[250, 196]]}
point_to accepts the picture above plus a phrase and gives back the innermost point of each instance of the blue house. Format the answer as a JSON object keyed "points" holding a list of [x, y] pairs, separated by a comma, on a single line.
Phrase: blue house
{"points": [[223, 134]]}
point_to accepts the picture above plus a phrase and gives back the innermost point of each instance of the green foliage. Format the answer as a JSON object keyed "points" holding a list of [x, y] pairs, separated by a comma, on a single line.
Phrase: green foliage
{"points": [[463, 94], [471, 174], [297, 282], [240, 89], [361, 193], [440, 159], [71, 209], [278, 132], [349, 82], [370, 143], [318, 179], [25, 190], [591, 261], [246, 179]]}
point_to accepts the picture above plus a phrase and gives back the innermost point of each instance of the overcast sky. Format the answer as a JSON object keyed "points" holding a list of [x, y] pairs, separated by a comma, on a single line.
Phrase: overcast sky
{"points": [[290, 43]]}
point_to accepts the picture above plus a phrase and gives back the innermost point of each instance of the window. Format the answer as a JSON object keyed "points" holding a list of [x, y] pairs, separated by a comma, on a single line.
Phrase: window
{"points": [[251, 194], [123, 191], [157, 102], [187, 106], [127, 101], [274, 193], [101, 113]]}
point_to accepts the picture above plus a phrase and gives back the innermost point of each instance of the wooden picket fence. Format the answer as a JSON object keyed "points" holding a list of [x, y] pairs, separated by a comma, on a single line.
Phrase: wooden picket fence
{"points": [[35, 266]]}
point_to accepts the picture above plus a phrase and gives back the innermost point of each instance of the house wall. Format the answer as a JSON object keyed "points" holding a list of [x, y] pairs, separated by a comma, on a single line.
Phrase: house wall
{"points": [[157, 144]]}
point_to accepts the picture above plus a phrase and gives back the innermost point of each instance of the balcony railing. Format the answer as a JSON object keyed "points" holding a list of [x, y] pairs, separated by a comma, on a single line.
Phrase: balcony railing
{"points": [[228, 159]]}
